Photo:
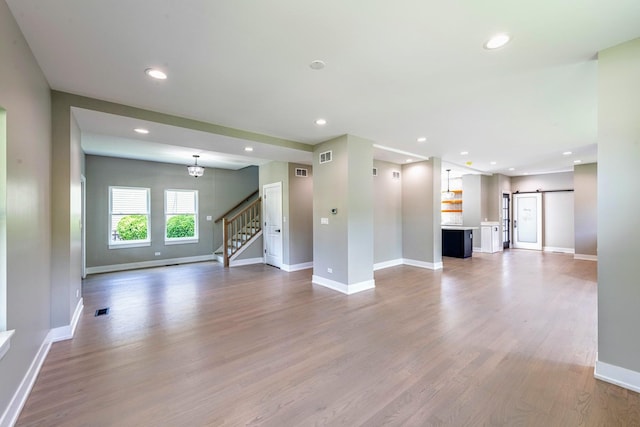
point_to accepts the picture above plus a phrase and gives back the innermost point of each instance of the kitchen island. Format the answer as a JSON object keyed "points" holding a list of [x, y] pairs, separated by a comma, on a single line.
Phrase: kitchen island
{"points": [[457, 241]]}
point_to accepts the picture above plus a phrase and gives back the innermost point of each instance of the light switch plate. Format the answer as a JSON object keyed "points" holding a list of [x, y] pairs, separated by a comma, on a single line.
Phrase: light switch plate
{"points": [[324, 220]]}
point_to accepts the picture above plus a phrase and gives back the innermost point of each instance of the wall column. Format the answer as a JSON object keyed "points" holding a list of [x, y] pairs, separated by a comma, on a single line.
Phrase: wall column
{"points": [[343, 239], [618, 207]]}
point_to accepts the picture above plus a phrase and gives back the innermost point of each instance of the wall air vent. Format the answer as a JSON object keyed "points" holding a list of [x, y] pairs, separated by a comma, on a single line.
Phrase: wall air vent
{"points": [[102, 312], [326, 157], [375, 171], [396, 175], [301, 172]]}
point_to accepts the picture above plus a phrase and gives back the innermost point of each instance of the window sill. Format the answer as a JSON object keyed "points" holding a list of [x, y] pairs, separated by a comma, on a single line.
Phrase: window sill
{"points": [[5, 342], [130, 245], [180, 241]]}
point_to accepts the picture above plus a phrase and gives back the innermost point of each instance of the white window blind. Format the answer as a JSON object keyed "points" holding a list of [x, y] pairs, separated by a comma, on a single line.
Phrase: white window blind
{"points": [[128, 216], [181, 216]]}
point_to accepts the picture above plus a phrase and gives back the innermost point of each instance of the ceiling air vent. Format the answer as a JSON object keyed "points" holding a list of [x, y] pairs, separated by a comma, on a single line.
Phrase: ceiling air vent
{"points": [[375, 171], [396, 175], [325, 157], [301, 172]]}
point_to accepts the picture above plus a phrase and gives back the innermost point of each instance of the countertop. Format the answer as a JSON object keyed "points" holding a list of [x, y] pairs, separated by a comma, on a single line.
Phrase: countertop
{"points": [[458, 227]]}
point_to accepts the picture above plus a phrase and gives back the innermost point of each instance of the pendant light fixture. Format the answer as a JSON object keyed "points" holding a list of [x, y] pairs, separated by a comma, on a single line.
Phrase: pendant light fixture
{"points": [[195, 170], [448, 194]]}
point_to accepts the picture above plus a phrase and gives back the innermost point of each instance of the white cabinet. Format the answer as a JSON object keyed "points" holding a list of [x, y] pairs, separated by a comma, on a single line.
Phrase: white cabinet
{"points": [[490, 237]]}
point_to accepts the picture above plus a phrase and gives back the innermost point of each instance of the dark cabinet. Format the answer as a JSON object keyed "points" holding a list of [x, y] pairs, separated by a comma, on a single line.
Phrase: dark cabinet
{"points": [[457, 243]]}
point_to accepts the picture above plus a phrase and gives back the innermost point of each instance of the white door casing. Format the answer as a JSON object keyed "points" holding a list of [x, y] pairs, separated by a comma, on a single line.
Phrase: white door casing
{"points": [[527, 221], [272, 222]]}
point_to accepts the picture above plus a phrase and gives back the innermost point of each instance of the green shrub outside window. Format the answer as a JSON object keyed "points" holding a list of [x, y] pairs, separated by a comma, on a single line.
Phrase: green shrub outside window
{"points": [[181, 226], [132, 227]]}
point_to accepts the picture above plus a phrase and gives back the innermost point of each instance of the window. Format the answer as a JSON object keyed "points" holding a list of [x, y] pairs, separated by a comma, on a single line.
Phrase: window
{"points": [[181, 216], [129, 217]]}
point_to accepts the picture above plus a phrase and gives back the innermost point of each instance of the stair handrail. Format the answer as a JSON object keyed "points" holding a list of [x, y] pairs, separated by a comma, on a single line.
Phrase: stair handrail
{"points": [[240, 229], [245, 200]]}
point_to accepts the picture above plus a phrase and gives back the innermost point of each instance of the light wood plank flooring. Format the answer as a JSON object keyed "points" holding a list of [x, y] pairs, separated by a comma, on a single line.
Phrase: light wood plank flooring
{"points": [[498, 339]]}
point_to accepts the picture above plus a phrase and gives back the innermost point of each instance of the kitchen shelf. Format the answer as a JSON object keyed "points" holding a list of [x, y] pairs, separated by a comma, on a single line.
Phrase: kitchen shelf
{"points": [[453, 201], [451, 210]]}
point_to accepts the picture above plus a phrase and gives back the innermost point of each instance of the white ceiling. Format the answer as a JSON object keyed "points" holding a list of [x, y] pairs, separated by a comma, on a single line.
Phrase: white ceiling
{"points": [[395, 71]]}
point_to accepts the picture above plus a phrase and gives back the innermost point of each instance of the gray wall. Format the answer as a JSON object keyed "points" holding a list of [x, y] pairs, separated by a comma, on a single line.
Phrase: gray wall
{"points": [[345, 244], [544, 182], [25, 96], [218, 191], [585, 180], [558, 220], [387, 213], [421, 232], [618, 205], [300, 215], [66, 210]]}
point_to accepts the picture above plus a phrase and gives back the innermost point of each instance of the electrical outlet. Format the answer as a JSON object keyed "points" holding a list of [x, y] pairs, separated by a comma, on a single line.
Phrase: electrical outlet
{"points": [[77, 293], [324, 220], [157, 253], [329, 270]]}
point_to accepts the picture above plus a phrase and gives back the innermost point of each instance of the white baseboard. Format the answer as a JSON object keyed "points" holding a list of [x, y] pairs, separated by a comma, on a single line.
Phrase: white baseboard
{"points": [[147, 264], [556, 249], [422, 264], [297, 267], [478, 249], [387, 264], [622, 377], [248, 261], [11, 413], [342, 287], [586, 257], [66, 332]]}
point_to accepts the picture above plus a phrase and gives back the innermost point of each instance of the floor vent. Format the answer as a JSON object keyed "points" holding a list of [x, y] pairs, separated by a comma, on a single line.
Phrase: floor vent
{"points": [[102, 312]]}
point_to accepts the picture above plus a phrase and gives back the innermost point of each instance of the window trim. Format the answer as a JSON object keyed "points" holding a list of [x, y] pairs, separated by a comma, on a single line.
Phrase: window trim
{"points": [[133, 243], [182, 240]]}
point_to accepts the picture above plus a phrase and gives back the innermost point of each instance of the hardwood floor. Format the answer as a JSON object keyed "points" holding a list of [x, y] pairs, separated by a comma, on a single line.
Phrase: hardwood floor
{"points": [[496, 339]]}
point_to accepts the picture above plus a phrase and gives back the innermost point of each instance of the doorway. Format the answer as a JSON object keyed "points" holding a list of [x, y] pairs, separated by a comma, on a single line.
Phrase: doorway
{"points": [[83, 224], [272, 199], [506, 221], [527, 221]]}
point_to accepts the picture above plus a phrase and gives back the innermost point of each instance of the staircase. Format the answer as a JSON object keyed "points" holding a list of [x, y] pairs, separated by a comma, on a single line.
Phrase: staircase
{"points": [[240, 230]]}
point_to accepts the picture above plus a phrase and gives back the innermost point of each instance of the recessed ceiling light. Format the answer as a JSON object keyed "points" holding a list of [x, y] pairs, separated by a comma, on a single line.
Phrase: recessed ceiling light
{"points": [[409, 160], [317, 65], [155, 73], [142, 131], [464, 153], [248, 148], [567, 153], [512, 169], [493, 163], [577, 161], [526, 173], [321, 122], [497, 41], [422, 139]]}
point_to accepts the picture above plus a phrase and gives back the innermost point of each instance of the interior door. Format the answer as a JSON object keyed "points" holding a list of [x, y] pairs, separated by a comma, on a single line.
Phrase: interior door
{"points": [[272, 199], [527, 221]]}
